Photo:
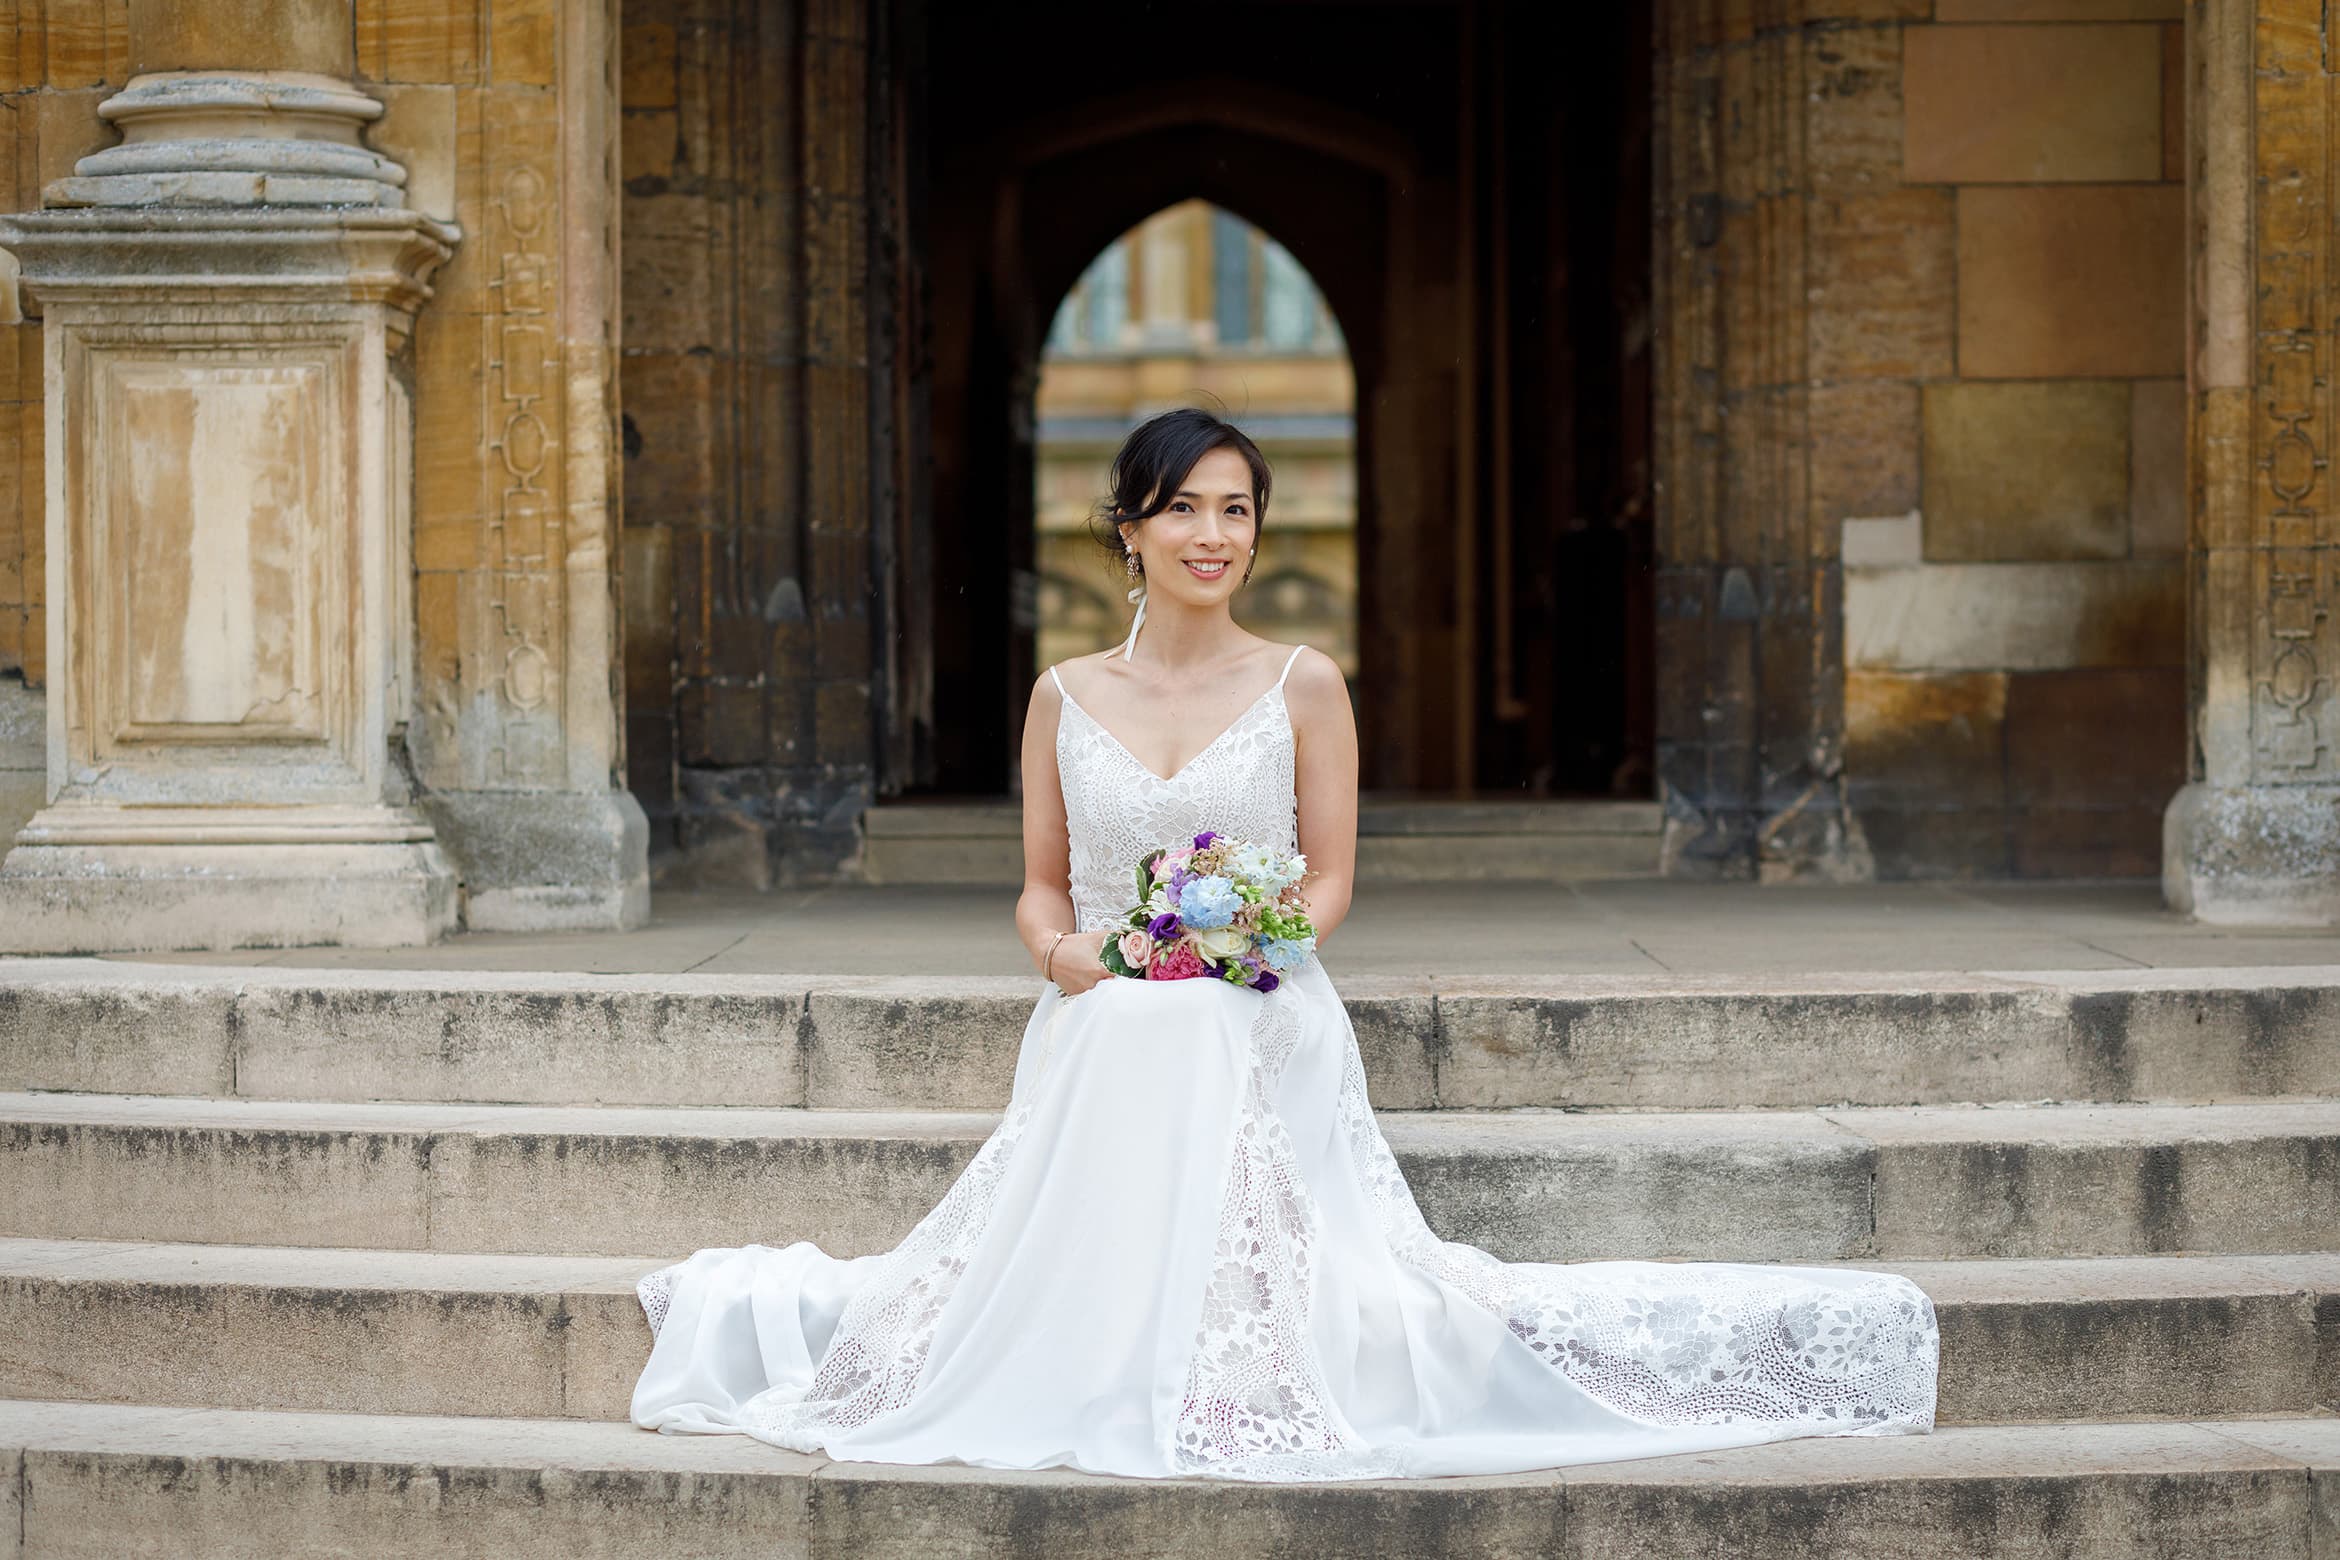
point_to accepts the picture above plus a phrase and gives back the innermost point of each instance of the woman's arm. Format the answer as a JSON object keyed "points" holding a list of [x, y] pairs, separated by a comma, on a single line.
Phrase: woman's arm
{"points": [[1045, 907], [1324, 729]]}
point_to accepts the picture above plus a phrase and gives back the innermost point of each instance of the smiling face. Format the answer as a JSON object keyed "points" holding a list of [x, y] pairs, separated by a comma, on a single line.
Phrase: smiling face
{"points": [[1199, 546]]}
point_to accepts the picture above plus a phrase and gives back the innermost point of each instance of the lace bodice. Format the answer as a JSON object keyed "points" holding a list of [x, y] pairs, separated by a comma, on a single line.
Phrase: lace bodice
{"points": [[1116, 809]]}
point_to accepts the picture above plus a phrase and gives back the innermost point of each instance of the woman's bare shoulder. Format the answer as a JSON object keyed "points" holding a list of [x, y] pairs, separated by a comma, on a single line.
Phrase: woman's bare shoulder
{"points": [[1315, 674]]}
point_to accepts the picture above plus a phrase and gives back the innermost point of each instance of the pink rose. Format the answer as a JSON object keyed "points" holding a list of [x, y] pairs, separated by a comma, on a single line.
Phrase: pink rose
{"points": [[1136, 949], [1181, 962]]}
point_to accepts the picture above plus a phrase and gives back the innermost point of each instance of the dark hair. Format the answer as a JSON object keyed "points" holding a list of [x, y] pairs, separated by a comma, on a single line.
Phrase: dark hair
{"points": [[1156, 458]]}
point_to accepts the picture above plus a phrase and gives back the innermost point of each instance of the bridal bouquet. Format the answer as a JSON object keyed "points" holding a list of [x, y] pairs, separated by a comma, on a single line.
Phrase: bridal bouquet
{"points": [[1218, 909]]}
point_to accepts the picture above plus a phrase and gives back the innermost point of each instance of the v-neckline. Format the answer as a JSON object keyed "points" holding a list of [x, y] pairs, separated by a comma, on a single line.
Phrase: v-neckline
{"points": [[1174, 775]]}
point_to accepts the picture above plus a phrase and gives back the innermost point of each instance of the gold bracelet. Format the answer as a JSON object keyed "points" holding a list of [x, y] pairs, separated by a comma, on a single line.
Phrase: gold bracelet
{"points": [[1050, 959]]}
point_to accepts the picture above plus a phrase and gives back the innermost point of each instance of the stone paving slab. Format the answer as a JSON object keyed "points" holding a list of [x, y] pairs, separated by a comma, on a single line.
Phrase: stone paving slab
{"points": [[2047, 1181], [1625, 927], [99, 1480], [444, 1333], [877, 1042]]}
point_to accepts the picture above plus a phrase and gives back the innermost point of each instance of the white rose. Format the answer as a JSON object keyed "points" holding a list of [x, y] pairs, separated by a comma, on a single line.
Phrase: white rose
{"points": [[1221, 942]]}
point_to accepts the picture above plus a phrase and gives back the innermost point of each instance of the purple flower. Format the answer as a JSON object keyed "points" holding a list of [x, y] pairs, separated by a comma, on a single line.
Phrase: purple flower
{"points": [[1178, 880], [1203, 840], [1267, 981], [1163, 927]]}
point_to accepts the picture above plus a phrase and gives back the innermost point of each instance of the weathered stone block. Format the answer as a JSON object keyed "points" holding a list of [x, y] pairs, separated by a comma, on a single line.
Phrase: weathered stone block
{"points": [[670, 466], [247, 34], [2110, 1181], [523, 38], [670, 291], [2144, 1352], [520, 1491], [2015, 616], [2236, 1501], [1916, 843], [1634, 1185], [1883, 273], [646, 62], [87, 41], [1864, 450], [128, 1181], [2105, 737], [200, 1342], [2058, 10], [2027, 471], [899, 1047], [2086, 842], [2157, 468], [610, 1193], [648, 141], [2079, 281], [1852, 124], [2253, 855], [1926, 738], [69, 129], [417, 130], [535, 861], [2031, 104]]}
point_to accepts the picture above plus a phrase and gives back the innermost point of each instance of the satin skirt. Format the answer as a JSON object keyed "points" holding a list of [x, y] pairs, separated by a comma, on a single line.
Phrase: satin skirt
{"points": [[1187, 1251]]}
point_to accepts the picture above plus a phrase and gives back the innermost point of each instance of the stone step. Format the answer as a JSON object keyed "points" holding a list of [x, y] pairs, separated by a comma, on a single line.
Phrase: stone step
{"points": [[1398, 841], [440, 1333], [82, 1481], [865, 1043], [2042, 1181]]}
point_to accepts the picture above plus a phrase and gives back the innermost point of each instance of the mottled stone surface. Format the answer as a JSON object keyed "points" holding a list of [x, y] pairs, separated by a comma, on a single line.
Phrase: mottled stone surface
{"points": [[2015, 616], [2026, 105], [2027, 471], [2066, 281]]}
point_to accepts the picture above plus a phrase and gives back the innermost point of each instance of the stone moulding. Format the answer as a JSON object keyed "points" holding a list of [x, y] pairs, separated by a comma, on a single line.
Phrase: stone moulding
{"points": [[201, 258], [208, 139]]}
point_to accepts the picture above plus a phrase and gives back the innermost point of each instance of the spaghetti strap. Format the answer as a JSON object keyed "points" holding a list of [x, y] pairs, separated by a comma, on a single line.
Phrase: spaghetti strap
{"points": [[1288, 660], [1052, 677]]}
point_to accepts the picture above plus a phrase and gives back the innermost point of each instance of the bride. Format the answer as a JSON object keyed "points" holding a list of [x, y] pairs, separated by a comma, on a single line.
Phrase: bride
{"points": [[1187, 1250]]}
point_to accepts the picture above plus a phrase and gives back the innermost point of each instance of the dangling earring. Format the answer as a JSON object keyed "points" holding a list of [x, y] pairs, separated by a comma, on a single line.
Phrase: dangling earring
{"points": [[1135, 568], [1249, 552]]}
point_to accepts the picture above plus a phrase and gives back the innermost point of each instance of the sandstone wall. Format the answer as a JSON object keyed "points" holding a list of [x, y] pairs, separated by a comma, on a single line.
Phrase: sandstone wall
{"points": [[2008, 484]]}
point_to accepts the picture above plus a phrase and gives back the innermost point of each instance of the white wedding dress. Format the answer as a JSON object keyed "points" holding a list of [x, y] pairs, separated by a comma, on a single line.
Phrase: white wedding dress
{"points": [[1187, 1250]]}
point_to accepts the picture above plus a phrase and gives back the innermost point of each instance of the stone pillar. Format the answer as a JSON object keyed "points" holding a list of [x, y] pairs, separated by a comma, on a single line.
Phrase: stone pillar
{"points": [[1750, 649], [2254, 837], [228, 295]]}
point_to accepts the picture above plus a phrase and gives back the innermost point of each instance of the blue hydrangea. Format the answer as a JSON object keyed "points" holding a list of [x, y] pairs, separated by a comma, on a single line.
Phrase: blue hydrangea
{"points": [[1286, 954], [1207, 902]]}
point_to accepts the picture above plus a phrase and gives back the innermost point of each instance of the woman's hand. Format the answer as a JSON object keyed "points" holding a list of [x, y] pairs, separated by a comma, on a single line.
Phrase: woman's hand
{"points": [[1077, 965]]}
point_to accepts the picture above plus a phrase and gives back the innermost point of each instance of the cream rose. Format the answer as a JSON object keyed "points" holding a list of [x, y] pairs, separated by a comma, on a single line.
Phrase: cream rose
{"points": [[1221, 942], [1137, 949]]}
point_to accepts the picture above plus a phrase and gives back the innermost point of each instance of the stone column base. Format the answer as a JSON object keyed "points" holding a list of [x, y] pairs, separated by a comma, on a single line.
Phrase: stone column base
{"points": [[2254, 855], [547, 861], [109, 880]]}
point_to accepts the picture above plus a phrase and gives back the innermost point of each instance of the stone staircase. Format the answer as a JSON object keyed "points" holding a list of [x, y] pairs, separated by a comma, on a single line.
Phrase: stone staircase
{"points": [[302, 1262]]}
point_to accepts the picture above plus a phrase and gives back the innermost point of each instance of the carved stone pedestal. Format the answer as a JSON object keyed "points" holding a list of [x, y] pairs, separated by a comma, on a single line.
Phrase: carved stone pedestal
{"points": [[227, 297]]}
